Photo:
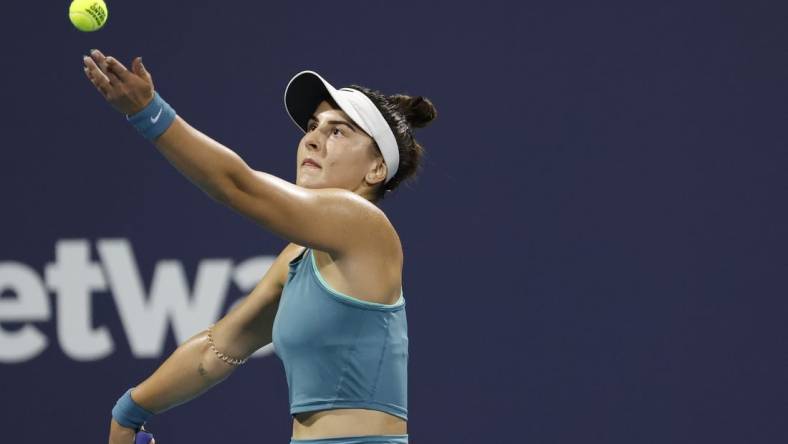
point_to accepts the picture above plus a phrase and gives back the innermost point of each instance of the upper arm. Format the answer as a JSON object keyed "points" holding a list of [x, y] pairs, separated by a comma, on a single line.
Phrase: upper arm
{"points": [[250, 323], [330, 219]]}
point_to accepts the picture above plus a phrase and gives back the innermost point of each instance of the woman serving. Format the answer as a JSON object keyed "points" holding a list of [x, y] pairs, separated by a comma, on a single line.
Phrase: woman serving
{"points": [[332, 302]]}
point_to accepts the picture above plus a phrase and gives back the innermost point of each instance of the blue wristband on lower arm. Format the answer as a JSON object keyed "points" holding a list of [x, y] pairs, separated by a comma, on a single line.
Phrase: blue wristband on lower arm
{"points": [[154, 119], [128, 413]]}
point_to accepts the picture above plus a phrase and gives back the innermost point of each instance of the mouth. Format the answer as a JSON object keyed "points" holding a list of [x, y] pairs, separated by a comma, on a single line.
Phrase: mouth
{"points": [[310, 163]]}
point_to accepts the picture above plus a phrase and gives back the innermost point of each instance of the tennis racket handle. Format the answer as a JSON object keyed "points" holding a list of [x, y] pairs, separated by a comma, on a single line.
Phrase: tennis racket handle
{"points": [[143, 438]]}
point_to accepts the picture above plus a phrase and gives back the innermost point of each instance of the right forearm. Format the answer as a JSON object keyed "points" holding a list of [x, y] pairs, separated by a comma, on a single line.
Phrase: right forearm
{"points": [[191, 370]]}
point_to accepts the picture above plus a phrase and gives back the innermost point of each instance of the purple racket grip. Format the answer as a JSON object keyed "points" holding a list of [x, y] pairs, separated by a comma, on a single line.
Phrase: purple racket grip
{"points": [[143, 437]]}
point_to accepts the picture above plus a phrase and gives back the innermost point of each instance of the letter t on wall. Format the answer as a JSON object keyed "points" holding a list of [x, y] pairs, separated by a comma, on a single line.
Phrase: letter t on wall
{"points": [[73, 277]]}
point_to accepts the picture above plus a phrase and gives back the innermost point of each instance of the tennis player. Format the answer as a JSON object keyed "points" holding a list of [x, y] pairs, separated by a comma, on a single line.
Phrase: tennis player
{"points": [[332, 302]]}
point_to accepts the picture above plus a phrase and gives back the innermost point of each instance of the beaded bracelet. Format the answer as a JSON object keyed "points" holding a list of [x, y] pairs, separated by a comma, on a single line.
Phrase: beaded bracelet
{"points": [[222, 356]]}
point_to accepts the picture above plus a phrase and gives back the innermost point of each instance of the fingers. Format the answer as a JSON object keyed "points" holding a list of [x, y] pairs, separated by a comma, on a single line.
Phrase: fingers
{"points": [[139, 69], [96, 76], [117, 68], [101, 61]]}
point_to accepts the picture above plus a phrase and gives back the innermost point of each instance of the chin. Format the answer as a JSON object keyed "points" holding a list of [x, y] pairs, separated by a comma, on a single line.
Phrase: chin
{"points": [[307, 183]]}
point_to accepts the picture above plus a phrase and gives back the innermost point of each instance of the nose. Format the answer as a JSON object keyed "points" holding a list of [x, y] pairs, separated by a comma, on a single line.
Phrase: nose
{"points": [[312, 141]]}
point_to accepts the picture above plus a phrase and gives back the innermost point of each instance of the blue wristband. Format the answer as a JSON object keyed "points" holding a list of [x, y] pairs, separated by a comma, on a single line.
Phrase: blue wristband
{"points": [[154, 119], [128, 413]]}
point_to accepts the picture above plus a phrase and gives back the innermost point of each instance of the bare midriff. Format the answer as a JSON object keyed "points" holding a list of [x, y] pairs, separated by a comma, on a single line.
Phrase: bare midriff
{"points": [[346, 422]]}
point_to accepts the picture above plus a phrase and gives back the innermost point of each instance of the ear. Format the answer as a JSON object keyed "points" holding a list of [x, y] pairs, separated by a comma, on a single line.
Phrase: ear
{"points": [[377, 173]]}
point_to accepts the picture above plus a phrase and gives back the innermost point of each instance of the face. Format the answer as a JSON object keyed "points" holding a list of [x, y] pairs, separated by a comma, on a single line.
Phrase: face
{"points": [[335, 153]]}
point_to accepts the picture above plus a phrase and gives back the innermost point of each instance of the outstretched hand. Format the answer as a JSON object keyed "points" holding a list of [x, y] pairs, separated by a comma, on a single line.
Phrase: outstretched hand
{"points": [[128, 91]]}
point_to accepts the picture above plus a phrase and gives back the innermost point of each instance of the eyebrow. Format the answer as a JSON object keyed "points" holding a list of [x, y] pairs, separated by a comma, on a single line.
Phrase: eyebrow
{"points": [[333, 121]]}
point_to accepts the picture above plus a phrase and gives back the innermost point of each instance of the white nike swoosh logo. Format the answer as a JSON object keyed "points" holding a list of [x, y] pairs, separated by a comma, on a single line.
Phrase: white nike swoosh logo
{"points": [[156, 119]]}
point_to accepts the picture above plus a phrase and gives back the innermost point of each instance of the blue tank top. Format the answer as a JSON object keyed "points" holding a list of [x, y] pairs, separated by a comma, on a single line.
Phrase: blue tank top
{"points": [[339, 351]]}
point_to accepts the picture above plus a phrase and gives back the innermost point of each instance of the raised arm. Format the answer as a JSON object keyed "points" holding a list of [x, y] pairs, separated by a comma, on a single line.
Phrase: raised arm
{"points": [[332, 220], [321, 219]]}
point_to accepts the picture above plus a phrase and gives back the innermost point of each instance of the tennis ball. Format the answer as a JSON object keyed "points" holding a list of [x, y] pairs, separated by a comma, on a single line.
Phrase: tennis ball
{"points": [[88, 15]]}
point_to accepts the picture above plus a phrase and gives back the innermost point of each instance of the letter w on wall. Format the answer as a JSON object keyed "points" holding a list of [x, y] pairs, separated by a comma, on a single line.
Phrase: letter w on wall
{"points": [[145, 319]]}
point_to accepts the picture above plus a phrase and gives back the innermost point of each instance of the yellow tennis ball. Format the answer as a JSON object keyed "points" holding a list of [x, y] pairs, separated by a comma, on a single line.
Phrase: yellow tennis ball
{"points": [[88, 15]]}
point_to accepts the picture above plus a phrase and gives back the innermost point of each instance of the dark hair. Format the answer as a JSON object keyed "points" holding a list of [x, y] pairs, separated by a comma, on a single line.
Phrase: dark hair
{"points": [[402, 113]]}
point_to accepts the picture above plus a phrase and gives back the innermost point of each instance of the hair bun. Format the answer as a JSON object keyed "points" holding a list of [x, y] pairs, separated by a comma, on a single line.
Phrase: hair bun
{"points": [[418, 110]]}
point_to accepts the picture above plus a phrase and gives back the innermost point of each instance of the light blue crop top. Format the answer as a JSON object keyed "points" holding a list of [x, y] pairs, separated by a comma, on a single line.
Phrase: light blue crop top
{"points": [[339, 351]]}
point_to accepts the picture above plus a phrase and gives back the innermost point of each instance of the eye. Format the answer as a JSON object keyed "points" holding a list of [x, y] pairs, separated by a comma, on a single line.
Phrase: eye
{"points": [[310, 126], [337, 131]]}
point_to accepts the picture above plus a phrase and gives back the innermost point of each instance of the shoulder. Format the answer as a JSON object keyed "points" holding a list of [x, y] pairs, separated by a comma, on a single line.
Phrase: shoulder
{"points": [[370, 236], [377, 224], [328, 219], [352, 203], [365, 227]]}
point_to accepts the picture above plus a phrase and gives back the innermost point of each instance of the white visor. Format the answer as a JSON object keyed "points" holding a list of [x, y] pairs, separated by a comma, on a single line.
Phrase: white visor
{"points": [[307, 89]]}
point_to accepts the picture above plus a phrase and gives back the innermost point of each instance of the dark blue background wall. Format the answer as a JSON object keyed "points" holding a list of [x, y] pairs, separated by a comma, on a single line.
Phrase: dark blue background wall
{"points": [[595, 250]]}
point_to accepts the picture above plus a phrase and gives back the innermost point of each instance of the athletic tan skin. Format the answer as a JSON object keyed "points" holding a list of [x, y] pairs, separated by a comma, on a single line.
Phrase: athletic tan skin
{"points": [[329, 209]]}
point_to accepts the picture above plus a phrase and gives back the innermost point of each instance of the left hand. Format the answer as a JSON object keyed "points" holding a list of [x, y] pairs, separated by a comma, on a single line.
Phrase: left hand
{"points": [[128, 91]]}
